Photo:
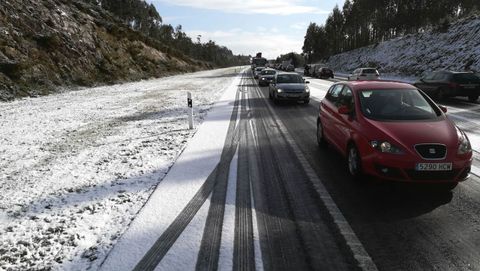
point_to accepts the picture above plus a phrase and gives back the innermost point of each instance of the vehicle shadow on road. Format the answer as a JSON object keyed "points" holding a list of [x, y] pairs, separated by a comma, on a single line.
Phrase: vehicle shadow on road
{"points": [[384, 200]]}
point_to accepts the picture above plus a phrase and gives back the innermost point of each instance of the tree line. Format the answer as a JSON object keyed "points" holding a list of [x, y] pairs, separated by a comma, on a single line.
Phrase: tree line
{"points": [[143, 17], [363, 22], [295, 59]]}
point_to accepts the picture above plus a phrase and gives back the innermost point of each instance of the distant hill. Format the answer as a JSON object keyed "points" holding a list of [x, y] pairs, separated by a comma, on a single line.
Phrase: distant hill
{"points": [[49, 44], [453, 47]]}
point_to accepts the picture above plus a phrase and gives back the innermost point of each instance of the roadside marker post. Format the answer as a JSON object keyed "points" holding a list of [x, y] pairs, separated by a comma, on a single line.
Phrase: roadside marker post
{"points": [[190, 110]]}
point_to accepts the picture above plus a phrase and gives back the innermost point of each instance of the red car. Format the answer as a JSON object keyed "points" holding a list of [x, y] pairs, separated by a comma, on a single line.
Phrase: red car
{"points": [[393, 131]]}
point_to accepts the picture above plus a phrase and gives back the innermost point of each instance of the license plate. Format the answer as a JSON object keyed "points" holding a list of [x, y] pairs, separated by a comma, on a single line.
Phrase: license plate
{"points": [[293, 95], [433, 166]]}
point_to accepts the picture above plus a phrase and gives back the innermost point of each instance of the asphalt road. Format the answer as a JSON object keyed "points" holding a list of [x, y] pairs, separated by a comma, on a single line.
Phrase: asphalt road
{"points": [[402, 227]]}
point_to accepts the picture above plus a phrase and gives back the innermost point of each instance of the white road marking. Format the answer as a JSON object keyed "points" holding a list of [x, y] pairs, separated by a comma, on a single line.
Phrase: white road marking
{"points": [[256, 235], [225, 261], [326, 84]]}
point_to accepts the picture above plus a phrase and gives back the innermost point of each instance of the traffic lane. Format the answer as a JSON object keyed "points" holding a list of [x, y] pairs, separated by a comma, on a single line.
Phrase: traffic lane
{"points": [[401, 226], [288, 196]]}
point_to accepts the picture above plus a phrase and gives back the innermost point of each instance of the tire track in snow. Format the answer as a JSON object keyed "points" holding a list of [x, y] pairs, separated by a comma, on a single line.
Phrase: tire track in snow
{"points": [[160, 248]]}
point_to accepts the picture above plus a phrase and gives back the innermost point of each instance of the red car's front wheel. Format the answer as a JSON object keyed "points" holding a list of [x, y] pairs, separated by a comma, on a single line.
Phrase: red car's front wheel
{"points": [[354, 162], [320, 136]]}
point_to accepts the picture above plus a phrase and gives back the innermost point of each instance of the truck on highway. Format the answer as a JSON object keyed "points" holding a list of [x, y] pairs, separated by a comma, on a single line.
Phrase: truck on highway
{"points": [[258, 61]]}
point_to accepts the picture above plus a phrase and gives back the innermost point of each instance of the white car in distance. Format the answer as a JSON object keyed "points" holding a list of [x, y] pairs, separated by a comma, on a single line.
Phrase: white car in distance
{"points": [[364, 74]]}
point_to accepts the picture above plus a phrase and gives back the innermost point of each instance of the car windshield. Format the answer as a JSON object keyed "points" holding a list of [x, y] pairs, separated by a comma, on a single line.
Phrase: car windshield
{"points": [[289, 78], [259, 69], [268, 72], [466, 78], [396, 105], [369, 71]]}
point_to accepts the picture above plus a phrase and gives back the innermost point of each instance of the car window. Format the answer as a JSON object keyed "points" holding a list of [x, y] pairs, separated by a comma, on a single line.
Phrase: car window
{"points": [[334, 94], [396, 105], [346, 98], [268, 72], [465, 78], [369, 71], [289, 78], [429, 76], [439, 76]]}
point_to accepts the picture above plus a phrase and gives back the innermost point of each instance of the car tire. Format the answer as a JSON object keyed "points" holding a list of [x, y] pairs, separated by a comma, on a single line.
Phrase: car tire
{"points": [[270, 95], [275, 99], [307, 101], [320, 136], [354, 162], [472, 98]]}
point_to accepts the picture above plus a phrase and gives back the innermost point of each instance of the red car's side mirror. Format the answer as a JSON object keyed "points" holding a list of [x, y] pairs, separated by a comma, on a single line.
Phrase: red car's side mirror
{"points": [[443, 108], [344, 110]]}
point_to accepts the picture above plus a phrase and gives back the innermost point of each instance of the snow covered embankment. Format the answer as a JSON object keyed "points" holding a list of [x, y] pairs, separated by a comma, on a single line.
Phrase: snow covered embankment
{"points": [[455, 49], [75, 168]]}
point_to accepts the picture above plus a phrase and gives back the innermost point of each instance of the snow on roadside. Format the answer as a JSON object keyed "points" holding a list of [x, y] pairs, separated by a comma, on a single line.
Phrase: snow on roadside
{"points": [[173, 194], [76, 167], [414, 54]]}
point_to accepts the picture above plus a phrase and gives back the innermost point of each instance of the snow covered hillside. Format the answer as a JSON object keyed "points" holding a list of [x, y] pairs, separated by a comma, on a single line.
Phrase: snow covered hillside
{"points": [[75, 168], [457, 48]]}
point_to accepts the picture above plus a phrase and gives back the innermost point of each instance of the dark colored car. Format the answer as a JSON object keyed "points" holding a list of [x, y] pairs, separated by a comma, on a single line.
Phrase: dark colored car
{"points": [[443, 84], [266, 77], [325, 73], [290, 68], [321, 72], [395, 132], [307, 69], [289, 86]]}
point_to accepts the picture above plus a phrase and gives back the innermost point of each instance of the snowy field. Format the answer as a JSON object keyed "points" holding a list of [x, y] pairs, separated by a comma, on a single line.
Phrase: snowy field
{"points": [[75, 168]]}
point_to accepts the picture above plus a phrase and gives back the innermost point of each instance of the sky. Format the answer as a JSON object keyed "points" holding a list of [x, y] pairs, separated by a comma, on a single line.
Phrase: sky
{"points": [[272, 27]]}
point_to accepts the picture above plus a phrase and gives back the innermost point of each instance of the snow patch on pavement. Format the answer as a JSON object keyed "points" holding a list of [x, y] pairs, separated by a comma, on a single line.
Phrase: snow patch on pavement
{"points": [[183, 254], [225, 261]]}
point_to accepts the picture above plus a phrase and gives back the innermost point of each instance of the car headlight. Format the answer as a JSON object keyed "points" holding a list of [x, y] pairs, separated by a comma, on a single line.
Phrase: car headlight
{"points": [[464, 146], [279, 90], [386, 147]]}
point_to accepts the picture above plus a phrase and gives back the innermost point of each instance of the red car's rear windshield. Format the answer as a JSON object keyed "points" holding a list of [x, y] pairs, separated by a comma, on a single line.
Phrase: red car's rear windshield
{"points": [[396, 105]]}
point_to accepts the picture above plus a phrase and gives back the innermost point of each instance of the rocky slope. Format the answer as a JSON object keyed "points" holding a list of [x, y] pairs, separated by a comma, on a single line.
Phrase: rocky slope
{"points": [[49, 44], [454, 47]]}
